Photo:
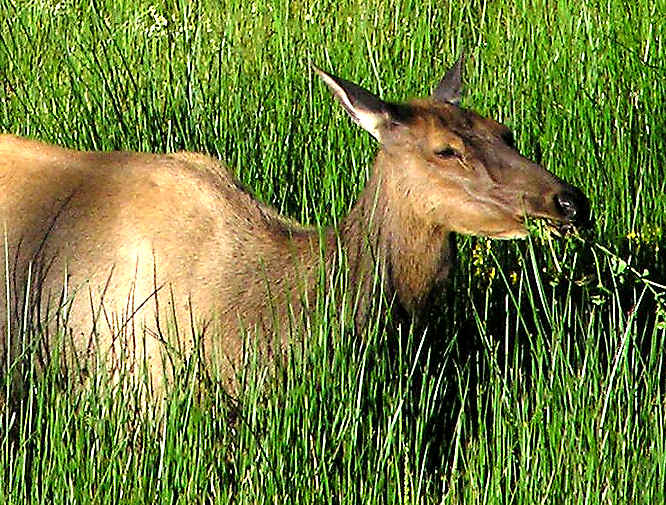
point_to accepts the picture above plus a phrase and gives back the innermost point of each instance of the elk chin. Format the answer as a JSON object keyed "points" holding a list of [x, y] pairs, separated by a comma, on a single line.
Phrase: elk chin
{"points": [[510, 234], [501, 232]]}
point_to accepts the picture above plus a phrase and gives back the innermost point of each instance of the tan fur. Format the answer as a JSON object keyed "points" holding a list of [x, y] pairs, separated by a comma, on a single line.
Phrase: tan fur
{"points": [[118, 247]]}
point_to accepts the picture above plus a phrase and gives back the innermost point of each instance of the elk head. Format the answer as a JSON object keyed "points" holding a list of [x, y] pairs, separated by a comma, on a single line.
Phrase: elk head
{"points": [[456, 169]]}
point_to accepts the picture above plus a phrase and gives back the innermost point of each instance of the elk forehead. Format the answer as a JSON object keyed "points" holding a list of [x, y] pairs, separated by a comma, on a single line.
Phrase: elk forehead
{"points": [[447, 123]]}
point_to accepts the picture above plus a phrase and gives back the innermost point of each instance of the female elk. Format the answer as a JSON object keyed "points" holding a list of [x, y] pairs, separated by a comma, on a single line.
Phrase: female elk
{"points": [[129, 256]]}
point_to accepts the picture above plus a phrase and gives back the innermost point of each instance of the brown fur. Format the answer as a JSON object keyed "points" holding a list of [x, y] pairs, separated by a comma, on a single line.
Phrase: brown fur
{"points": [[141, 241]]}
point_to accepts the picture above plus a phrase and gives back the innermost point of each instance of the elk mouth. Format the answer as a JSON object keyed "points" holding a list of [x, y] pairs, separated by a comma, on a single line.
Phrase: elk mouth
{"points": [[564, 228]]}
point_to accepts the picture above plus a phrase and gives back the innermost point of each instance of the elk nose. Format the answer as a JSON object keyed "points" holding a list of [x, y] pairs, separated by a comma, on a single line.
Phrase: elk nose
{"points": [[574, 206]]}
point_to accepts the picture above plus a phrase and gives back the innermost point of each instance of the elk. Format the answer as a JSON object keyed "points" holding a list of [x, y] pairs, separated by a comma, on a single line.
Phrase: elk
{"points": [[106, 252]]}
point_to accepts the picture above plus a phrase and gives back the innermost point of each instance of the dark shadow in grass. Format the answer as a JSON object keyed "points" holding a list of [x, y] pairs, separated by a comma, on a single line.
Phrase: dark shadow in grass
{"points": [[458, 350]]}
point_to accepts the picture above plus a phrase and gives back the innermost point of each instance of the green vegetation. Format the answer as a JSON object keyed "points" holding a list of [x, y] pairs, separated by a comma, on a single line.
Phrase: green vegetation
{"points": [[540, 378]]}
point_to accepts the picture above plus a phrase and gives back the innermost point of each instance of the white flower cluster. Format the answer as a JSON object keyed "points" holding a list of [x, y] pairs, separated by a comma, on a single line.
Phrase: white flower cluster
{"points": [[158, 27]]}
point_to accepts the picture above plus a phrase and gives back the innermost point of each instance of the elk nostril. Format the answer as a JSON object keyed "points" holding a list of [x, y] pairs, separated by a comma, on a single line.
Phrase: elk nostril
{"points": [[573, 206], [566, 205]]}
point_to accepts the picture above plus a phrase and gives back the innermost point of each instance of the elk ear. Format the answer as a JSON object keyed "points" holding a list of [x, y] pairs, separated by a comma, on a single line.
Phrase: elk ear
{"points": [[367, 110], [450, 87]]}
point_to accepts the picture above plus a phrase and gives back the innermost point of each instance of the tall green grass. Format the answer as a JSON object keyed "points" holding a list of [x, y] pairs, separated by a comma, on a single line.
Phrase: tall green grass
{"points": [[539, 378]]}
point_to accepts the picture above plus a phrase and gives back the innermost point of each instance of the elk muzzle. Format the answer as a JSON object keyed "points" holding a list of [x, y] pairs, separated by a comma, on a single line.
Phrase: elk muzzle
{"points": [[574, 208]]}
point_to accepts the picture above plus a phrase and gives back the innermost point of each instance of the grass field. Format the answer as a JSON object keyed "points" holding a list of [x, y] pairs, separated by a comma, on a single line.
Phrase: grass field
{"points": [[541, 376]]}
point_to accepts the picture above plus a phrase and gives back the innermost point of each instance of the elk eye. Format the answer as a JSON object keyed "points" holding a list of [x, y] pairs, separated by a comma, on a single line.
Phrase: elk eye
{"points": [[508, 139], [447, 152]]}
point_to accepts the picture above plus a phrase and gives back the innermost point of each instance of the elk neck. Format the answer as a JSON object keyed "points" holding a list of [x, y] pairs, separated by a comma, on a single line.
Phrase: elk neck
{"points": [[383, 234]]}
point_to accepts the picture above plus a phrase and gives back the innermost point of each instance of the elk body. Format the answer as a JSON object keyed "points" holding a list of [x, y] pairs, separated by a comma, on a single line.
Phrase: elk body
{"points": [[107, 254]]}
